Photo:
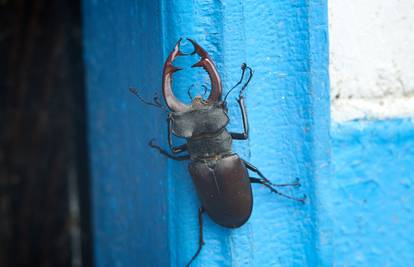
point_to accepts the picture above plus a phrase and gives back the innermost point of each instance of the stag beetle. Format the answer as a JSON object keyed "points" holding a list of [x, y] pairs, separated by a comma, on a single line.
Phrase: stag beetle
{"points": [[220, 176]]}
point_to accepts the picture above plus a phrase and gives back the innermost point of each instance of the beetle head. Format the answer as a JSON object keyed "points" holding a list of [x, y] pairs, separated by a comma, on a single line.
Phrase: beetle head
{"points": [[198, 102], [206, 63]]}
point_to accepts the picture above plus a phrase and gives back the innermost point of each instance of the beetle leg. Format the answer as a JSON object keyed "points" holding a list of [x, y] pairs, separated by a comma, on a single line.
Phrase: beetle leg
{"points": [[245, 134], [240, 100], [178, 149], [263, 182], [201, 240], [174, 149], [256, 170], [295, 183], [165, 153]]}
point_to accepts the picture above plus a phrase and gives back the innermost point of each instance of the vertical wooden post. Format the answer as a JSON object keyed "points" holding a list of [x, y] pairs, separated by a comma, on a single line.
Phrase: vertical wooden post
{"points": [[145, 206], [123, 48]]}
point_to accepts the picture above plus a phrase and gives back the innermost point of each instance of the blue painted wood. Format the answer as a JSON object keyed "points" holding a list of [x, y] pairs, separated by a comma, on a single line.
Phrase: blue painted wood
{"points": [[288, 104], [123, 48], [371, 194], [145, 207]]}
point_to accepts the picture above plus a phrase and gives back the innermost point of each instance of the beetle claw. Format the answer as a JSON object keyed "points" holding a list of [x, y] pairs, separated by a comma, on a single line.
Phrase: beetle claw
{"points": [[172, 102], [198, 64], [208, 65], [168, 66], [303, 199], [205, 62]]}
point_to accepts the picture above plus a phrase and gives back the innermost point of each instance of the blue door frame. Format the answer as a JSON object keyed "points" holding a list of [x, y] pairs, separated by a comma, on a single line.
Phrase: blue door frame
{"points": [[144, 206]]}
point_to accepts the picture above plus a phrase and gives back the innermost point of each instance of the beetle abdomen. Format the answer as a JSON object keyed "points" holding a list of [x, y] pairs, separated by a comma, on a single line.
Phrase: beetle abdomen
{"points": [[223, 187]]}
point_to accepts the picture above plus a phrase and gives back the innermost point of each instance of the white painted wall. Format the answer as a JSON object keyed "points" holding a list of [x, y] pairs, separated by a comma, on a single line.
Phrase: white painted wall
{"points": [[371, 58]]}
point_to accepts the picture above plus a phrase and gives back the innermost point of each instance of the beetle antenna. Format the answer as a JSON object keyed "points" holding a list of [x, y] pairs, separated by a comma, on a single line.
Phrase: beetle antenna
{"points": [[251, 72], [189, 92], [156, 100], [192, 86], [243, 67], [205, 89]]}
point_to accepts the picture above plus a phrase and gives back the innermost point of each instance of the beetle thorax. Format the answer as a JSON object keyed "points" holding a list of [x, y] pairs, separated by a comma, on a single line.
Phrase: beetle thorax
{"points": [[203, 120], [204, 128]]}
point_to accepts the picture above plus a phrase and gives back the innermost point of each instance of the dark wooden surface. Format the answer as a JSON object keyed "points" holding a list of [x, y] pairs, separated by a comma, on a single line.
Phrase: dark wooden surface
{"points": [[43, 170]]}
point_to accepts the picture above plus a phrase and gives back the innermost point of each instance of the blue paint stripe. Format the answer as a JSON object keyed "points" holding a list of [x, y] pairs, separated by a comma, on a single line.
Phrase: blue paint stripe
{"points": [[370, 195]]}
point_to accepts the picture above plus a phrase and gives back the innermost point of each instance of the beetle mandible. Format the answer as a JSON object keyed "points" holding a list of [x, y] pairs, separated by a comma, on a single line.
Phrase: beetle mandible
{"points": [[220, 176]]}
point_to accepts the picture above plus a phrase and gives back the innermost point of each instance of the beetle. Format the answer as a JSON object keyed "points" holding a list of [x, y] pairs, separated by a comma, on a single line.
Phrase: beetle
{"points": [[220, 176]]}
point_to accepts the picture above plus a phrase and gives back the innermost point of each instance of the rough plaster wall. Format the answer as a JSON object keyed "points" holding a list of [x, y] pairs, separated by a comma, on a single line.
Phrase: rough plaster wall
{"points": [[369, 198], [371, 57]]}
